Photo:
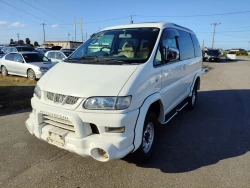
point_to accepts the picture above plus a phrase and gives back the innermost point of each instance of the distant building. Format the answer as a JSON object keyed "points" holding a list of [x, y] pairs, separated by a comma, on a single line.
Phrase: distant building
{"points": [[237, 50], [63, 44]]}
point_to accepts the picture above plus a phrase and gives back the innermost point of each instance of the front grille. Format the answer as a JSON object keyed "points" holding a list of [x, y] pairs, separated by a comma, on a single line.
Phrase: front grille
{"points": [[62, 123], [71, 100], [59, 98]]}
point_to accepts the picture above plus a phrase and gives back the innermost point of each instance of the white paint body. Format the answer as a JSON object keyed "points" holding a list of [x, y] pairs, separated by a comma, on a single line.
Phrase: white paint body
{"points": [[170, 84], [231, 56]]}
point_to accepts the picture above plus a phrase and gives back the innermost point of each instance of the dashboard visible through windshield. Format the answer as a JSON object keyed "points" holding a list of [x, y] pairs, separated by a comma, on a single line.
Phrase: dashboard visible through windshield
{"points": [[124, 45]]}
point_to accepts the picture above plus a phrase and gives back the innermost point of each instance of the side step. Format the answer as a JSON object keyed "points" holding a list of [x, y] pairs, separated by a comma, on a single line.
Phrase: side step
{"points": [[175, 111]]}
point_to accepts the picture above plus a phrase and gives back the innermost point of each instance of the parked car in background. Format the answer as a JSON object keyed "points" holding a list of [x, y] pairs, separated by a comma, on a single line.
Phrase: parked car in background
{"points": [[42, 49], [9, 49], [212, 55], [231, 55], [107, 101], [68, 49], [57, 55], [28, 64]]}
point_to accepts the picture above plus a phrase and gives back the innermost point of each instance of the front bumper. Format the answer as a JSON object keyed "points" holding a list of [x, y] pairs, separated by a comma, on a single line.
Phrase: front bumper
{"points": [[39, 74], [213, 58], [81, 138]]}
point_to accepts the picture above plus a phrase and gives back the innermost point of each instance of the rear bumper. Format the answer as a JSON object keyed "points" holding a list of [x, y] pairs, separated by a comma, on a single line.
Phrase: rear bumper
{"points": [[81, 139]]}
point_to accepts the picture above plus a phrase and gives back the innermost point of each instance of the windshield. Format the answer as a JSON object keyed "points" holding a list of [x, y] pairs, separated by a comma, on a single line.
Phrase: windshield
{"points": [[29, 58], [25, 49], [67, 53], [232, 52], [126, 45], [213, 52]]}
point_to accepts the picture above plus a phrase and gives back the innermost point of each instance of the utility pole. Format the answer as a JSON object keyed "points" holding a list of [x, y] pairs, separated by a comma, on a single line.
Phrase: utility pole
{"points": [[43, 24], [81, 28], [75, 28], [86, 37], [68, 38], [214, 24], [203, 44], [131, 19], [17, 37]]}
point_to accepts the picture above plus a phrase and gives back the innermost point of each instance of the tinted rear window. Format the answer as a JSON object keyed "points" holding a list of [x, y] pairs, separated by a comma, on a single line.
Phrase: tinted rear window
{"points": [[197, 48], [25, 49], [185, 45]]}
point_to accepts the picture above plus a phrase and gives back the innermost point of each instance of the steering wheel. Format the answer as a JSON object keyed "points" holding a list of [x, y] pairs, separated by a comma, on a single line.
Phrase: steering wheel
{"points": [[105, 47]]}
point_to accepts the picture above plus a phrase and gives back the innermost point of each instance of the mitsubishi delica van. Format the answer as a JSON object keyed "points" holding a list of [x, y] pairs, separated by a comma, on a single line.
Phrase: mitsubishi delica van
{"points": [[108, 97]]}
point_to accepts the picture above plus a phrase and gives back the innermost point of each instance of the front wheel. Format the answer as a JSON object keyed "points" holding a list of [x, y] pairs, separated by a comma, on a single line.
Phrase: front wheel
{"points": [[145, 152], [31, 74]]}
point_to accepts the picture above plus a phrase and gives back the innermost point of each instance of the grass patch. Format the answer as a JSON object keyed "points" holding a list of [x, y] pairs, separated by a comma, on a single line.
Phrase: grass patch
{"points": [[15, 81], [15, 93]]}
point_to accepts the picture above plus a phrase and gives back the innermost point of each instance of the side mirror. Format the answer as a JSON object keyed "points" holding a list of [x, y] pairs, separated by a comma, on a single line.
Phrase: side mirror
{"points": [[49, 60], [171, 53]]}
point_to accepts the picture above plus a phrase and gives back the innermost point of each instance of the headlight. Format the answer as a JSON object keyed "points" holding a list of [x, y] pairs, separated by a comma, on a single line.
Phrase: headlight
{"points": [[107, 103], [37, 91], [43, 69]]}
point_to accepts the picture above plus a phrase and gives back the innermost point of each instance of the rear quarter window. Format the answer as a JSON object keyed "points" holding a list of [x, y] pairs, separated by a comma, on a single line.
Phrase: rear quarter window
{"points": [[197, 48], [185, 45]]}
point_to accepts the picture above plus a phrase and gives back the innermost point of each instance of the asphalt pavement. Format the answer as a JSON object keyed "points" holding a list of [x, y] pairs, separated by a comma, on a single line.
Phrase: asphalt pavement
{"points": [[205, 147]]}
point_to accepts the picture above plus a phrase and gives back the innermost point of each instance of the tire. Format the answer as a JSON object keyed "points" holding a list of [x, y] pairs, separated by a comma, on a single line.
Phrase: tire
{"points": [[192, 100], [145, 152], [31, 74], [4, 71]]}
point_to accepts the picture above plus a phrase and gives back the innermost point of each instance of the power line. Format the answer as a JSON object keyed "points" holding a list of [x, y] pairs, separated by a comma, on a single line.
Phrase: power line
{"points": [[198, 15], [40, 10], [22, 10]]}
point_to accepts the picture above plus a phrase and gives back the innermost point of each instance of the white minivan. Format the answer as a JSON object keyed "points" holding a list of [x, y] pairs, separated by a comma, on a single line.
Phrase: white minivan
{"points": [[105, 102]]}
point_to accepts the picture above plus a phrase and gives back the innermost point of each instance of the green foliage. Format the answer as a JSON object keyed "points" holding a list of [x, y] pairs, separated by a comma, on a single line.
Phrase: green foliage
{"points": [[27, 41], [244, 53], [36, 44]]}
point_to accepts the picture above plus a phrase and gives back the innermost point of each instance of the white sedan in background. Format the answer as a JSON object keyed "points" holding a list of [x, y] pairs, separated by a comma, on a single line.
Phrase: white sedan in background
{"points": [[57, 55], [28, 64]]}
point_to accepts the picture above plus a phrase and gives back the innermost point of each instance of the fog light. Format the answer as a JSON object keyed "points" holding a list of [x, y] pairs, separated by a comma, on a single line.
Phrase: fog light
{"points": [[115, 129], [102, 153]]}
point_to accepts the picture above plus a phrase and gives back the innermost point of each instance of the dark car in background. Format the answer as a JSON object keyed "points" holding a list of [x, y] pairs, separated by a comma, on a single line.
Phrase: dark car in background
{"points": [[212, 55]]}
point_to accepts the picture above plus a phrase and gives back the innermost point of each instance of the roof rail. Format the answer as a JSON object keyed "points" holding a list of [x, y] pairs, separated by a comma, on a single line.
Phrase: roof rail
{"points": [[182, 27]]}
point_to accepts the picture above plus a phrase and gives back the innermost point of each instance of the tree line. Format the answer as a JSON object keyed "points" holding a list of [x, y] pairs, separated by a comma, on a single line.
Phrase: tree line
{"points": [[21, 43]]}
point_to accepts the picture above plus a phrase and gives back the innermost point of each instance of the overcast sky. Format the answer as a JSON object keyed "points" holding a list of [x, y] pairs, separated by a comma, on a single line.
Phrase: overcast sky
{"points": [[26, 16]]}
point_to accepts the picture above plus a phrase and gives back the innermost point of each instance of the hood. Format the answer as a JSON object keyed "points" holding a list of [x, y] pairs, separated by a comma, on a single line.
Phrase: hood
{"points": [[42, 64], [83, 80]]}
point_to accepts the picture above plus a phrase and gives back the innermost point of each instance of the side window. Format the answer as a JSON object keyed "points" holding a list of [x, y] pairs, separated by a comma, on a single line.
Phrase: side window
{"points": [[158, 57], [59, 55], [169, 38], [7, 50], [197, 48], [10, 57], [13, 49], [18, 58], [51, 55], [185, 45]]}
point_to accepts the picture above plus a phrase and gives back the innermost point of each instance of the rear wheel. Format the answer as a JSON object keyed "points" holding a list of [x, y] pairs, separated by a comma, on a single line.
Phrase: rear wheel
{"points": [[31, 74], [193, 98], [145, 152], [4, 71]]}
